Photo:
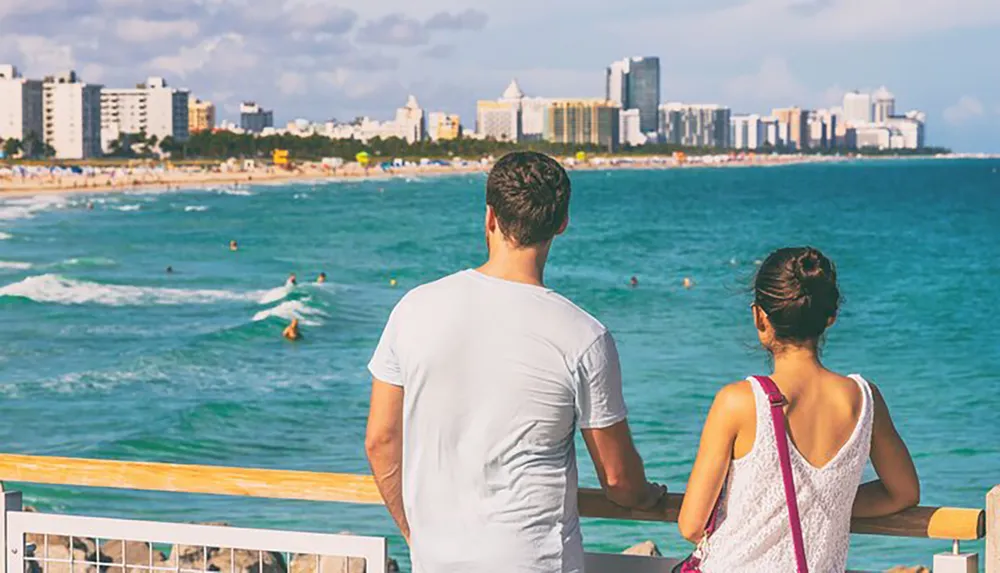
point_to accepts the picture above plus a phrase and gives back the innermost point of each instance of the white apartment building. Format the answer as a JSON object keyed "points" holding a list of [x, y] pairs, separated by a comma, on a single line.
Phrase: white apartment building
{"points": [[909, 128], [883, 105], [695, 125], [411, 122], [630, 129], [748, 132], [873, 136], [20, 105], [857, 108], [72, 116], [152, 107]]}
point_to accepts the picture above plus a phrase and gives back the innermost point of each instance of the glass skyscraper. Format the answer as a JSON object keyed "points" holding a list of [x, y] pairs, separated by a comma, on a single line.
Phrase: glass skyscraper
{"points": [[635, 84]]}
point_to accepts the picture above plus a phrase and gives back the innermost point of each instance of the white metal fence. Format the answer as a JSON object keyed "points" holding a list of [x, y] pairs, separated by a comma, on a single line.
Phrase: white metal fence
{"points": [[49, 543]]}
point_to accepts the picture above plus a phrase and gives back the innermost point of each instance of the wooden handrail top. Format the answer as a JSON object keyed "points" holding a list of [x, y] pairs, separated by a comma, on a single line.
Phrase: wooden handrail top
{"points": [[932, 522]]}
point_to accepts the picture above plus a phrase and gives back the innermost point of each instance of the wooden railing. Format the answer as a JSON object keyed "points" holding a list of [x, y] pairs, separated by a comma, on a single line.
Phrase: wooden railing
{"points": [[930, 522]]}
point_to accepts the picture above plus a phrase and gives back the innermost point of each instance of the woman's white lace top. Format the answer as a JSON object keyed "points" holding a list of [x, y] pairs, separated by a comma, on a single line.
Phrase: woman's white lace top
{"points": [[753, 534]]}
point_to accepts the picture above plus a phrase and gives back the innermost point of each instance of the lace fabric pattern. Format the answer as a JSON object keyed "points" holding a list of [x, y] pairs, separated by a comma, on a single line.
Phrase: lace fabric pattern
{"points": [[753, 535]]}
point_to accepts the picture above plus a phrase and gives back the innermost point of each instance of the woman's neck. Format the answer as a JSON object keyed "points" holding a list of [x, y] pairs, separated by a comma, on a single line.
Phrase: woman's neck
{"points": [[797, 362]]}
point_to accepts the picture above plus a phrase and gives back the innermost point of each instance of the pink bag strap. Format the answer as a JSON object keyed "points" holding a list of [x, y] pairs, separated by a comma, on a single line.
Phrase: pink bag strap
{"points": [[778, 402]]}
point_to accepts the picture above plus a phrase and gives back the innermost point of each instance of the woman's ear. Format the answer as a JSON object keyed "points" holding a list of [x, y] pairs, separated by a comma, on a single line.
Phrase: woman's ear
{"points": [[831, 321], [760, 319]]}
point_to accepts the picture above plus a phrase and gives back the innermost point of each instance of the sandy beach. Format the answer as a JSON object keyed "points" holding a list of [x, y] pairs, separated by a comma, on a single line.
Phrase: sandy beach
{"points": [[43, 179]]}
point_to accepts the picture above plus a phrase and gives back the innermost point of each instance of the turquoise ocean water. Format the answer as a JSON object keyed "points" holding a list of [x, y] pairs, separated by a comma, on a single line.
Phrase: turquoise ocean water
{"points": [[102, 354]]}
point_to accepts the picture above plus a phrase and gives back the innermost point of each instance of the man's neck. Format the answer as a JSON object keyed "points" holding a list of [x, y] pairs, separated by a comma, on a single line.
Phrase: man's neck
{"points": [[517, 265]]}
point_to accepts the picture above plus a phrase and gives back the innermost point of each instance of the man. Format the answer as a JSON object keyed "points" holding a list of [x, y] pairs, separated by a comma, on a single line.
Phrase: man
{"points": [[479, 383], [291, 331]]}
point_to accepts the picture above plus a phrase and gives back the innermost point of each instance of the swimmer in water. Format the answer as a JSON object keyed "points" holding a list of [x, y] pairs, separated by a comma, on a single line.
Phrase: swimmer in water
{"points": [[392, 282], [321, 278], [292, 280], [234, 246], [634, 282], [291, 332], [688, 283], [170, 270], [90, 205]]}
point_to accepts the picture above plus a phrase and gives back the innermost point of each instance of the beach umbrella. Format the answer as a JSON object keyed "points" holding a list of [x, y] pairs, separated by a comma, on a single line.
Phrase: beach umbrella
{"points": [[363, 158]]}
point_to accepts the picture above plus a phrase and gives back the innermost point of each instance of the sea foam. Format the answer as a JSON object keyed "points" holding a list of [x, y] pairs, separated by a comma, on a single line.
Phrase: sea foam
{"points": [[291, 309], [60, 290]]}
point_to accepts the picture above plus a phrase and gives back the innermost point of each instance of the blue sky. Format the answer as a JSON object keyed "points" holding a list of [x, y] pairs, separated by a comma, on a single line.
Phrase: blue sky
{"points": [[322, 59]]}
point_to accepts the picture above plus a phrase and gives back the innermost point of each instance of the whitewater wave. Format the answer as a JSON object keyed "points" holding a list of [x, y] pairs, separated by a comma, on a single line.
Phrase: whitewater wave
{"points": [[128, 208], [26, 208], [291, 309], [60, 290], [5, 236], [238, 192], [195, 208], [15, 265], [276, 294], [87, 262]]}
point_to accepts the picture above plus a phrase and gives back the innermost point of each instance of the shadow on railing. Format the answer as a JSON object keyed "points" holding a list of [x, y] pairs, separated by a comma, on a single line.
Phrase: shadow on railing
{"points": [[956, 524]]}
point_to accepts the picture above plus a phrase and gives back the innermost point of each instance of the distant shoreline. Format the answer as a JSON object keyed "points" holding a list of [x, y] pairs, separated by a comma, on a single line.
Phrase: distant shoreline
{"points": [[110, 180]]}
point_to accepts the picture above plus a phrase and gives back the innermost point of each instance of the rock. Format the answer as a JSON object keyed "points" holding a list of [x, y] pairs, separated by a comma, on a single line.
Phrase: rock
{"points": [[645, 549], [243, 561], [137, 553], [327, 564]]}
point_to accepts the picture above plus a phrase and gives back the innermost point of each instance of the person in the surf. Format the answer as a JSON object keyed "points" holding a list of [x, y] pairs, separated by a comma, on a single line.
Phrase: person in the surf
{"points": [[292, 280], [292, 332], [321, 278], [234, 246]]}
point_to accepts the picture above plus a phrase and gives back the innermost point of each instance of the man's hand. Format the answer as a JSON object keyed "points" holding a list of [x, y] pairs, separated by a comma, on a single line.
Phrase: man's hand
{"points": [[655, 493], [620, 468]]}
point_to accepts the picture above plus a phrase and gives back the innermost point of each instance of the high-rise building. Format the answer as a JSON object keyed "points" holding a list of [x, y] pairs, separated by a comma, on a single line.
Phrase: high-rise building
{"points": [[634, 83], [201, 115], [883, 105], [254, 118], [21, 111], [695, 125], [498, 120], [72, 116], [631, 128], [152, 108], [857, 108], [797, 120], [748, 132], [443, 126], [822, 129], [909, 128], [584, 122], [411, 121]]}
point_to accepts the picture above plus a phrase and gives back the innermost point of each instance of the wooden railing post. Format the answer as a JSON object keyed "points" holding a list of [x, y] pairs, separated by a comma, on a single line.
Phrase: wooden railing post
{"points": [[993, 530]]}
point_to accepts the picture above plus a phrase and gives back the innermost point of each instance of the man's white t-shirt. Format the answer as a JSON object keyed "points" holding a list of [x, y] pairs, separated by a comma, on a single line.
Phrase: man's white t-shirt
{"points": [[497, 377]]}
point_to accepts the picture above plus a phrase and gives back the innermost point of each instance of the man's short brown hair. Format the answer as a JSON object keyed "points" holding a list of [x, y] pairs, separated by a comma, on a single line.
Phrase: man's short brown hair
{"points": [[529, 193]]}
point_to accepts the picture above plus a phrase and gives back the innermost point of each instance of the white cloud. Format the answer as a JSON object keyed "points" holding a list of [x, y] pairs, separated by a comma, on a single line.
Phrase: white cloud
{"points": [[772, 84], [226, 52], [772, 24], [292, 83], [41, 53], [141, 31], [967, 108]]}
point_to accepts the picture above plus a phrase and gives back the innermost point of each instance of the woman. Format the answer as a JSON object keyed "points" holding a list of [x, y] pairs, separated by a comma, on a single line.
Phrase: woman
{"points": [[835, 423]]}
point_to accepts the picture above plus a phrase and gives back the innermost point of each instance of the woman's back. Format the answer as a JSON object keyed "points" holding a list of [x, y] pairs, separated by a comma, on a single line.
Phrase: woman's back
{"points": [[832, 422]]}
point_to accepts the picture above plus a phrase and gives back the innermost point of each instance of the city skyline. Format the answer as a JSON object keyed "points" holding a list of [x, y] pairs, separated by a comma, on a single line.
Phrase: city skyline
{"points": [[338, 62]]}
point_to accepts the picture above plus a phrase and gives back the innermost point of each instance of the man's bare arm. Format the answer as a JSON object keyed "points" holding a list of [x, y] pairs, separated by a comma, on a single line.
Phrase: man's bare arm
{"points": [[384, 446], [619, 467]]}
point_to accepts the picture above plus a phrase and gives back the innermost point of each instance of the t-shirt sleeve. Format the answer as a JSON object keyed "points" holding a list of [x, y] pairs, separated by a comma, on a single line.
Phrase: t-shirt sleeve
{"points": [[599, 400], [384, 364]]}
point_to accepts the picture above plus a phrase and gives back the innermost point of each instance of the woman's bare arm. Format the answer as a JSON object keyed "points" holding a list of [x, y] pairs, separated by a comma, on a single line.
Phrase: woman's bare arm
{"points": [[728, 413], [897, 487]]}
